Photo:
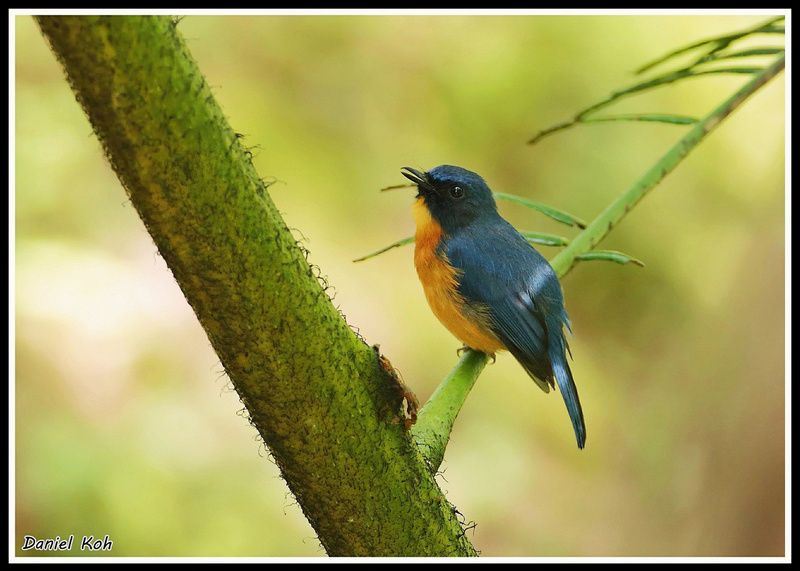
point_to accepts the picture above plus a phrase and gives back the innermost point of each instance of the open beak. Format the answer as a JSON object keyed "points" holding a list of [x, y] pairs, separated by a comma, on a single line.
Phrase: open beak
{"points": [[417, 177]]}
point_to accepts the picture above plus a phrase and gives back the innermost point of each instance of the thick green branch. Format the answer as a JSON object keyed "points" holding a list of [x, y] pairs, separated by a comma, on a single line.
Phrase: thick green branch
{"points": [[317, 394], [435, 420]]}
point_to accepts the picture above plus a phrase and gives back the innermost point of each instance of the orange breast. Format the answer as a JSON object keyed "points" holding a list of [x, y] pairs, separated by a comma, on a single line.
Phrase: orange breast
{"points": [[440, 280]]}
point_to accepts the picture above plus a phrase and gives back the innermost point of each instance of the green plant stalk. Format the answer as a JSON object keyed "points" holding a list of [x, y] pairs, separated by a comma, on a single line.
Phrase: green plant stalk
{"points": [[445, 403], [435, 420], [617, 210]]}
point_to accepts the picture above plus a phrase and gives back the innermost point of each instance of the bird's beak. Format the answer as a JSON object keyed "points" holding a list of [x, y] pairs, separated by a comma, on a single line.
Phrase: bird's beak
{"points": [[417, 177]]}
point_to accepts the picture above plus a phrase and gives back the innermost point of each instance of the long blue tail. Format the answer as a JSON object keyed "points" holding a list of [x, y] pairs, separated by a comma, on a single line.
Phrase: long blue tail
{"points": [[558, 358]]}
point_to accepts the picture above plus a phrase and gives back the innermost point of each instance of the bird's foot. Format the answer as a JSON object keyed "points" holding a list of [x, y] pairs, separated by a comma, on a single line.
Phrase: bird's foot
{"points": [[460, 350]]}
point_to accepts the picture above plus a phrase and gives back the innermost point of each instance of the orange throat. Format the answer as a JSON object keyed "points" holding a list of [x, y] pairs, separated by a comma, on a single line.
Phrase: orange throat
{"points": [[467, 321]]}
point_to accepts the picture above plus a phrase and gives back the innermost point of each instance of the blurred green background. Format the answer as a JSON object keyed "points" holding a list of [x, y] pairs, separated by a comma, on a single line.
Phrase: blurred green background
{"points": [[127, 426]]}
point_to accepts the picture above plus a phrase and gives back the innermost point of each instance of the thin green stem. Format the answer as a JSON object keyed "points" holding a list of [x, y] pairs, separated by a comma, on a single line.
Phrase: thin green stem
{"points": [[719, 42], [617, 210]]}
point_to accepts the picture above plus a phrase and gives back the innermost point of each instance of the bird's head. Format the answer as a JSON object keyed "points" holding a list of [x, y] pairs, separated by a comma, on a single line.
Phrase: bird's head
{"points": [[454, 196]]}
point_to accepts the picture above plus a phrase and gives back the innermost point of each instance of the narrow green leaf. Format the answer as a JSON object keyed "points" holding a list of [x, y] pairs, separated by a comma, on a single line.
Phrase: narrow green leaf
{"points": [[665, 79], [718, 43], [673, 119], [397, 244], [550, 130], [754, 52], [544, 239], [396, 186], [554, 213], [609, 256], [677, 76], [535, 237]]}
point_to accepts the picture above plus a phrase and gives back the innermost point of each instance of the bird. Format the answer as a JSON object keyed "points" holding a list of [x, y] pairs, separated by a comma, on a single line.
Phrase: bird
{"points": [[486, 283]]}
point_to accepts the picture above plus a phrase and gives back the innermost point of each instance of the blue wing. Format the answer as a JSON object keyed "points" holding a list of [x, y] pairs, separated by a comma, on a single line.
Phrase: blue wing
{"points": [[501, 271]]}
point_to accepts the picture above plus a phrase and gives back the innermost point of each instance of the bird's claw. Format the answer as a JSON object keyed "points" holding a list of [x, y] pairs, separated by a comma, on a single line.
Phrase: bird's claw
{"points": [[460, 350]]}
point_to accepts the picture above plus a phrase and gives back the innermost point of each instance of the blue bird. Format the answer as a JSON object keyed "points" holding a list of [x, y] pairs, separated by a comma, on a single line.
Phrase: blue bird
{"points": [[487, 284]]}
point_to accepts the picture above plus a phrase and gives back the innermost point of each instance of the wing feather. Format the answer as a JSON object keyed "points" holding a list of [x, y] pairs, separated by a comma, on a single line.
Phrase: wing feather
{"points": [[522, 295]]}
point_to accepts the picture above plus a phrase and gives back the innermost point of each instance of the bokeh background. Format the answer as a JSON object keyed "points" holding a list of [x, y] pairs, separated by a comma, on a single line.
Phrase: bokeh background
{"points": [[126, 425]]}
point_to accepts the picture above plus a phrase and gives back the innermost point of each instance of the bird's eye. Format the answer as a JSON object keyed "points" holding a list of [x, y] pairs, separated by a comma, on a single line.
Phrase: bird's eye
{"points": [[456, 192]]}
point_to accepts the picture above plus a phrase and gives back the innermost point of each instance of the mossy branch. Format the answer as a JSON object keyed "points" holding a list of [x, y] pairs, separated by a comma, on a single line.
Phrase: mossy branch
{"points": [[324, 403]]}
